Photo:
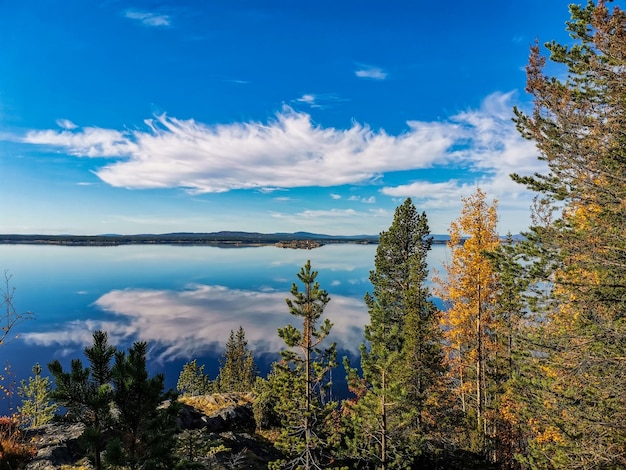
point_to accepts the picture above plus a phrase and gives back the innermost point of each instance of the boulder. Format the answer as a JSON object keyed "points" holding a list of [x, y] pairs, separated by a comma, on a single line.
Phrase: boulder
{"points": [[217, 412], [57, 445]]}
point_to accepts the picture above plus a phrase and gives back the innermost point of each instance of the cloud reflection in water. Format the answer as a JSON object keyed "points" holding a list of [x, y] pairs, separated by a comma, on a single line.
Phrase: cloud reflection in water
{"points": [[200, 317]]}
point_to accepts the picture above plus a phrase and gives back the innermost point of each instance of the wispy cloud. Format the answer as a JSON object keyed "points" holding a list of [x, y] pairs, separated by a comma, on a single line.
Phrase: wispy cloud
{"points": [[493, 151], [374, 73], [319, 100], [309, 99], [434, 195], [366, 200], [148, 18], [290, 152], [335, 196], [349, 221], [186, 322], [269, 190], [88, 141], [66, 124]]}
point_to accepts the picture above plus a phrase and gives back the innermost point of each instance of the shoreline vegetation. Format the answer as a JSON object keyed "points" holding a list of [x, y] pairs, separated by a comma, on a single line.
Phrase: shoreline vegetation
{"points": [[298, 240]]}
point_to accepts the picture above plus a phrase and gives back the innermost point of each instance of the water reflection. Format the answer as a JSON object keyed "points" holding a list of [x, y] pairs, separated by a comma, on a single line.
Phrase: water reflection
{"points": [[188, 322]]}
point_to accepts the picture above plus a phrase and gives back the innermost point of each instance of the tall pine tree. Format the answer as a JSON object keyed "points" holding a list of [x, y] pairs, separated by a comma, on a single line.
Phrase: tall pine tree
{"points": [[401, 359], [303, 387]]}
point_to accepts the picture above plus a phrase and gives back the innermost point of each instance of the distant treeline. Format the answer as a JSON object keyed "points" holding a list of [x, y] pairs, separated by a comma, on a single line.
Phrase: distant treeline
{"points": [[225, 239]]}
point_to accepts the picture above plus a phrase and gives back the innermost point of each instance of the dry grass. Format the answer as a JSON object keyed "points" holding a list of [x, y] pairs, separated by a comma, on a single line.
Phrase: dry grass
{"points": [[209, 404]]}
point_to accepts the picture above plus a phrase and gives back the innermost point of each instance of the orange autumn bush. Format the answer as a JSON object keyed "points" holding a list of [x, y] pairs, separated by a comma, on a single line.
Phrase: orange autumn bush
{"points": [[14, 452]]}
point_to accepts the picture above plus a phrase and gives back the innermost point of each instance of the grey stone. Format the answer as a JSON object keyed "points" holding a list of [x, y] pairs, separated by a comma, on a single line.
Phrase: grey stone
{"points": [[57, 444]]}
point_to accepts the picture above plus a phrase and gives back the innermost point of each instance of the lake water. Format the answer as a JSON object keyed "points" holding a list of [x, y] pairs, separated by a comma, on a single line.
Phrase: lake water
{"points": [[182, 300]]}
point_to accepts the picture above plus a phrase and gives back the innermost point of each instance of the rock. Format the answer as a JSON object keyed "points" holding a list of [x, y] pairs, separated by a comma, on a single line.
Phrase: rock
{"points": [[57, 445], [249, 451], [217, 412]]}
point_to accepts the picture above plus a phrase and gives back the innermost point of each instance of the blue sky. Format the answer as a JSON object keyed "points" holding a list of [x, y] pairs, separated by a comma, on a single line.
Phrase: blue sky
{"points": [[162, 116]]}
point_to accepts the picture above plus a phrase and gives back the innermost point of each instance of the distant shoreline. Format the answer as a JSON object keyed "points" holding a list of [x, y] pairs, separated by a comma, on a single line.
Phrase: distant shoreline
{"points": [[224, 240], [300, 240]]}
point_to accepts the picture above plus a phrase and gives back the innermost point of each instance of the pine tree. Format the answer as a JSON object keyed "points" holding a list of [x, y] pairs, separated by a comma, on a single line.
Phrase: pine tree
{"points": [[266, 398], [196, 448], [86, 392], [37, 408], [120, 406], [470, 290], [573, 404], [237, 368], [303, 403], [144, 428], [402, 360], [193, 381]]}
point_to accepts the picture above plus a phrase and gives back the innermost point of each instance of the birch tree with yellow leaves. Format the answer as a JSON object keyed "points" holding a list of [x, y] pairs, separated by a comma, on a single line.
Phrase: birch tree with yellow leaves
{"points": [[469, 291]]}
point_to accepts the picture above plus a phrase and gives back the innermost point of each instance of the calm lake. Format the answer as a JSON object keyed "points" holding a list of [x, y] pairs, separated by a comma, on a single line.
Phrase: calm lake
{"points": [[182, 300]]}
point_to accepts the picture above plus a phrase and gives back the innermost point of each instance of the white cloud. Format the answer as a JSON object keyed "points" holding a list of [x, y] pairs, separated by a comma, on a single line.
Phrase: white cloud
{"points": [[148, 18], [374, 73], [288, 152], [434, 195], [491, 150], [88, 142], [336, 221], [478, 147], [66, 124], [313, 214], [188, 321], [365, 200], [268, 190], [319, 100], [335, 196], [307, 98]]}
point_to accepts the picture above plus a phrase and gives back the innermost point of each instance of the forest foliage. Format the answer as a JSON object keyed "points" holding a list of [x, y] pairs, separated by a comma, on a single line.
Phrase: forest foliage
{"points": [[523, 368]]}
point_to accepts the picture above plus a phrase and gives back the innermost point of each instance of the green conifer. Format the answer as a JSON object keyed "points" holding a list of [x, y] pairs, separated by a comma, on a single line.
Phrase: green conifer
{"points": [[37, 408], [193, 381], [237, 368], [573, 404], [86, 392], [302, 392], [401, 359], [145, 429]]}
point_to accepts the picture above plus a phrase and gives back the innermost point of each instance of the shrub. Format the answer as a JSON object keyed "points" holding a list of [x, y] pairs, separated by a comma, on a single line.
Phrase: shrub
{"points": [[14, 453]]}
